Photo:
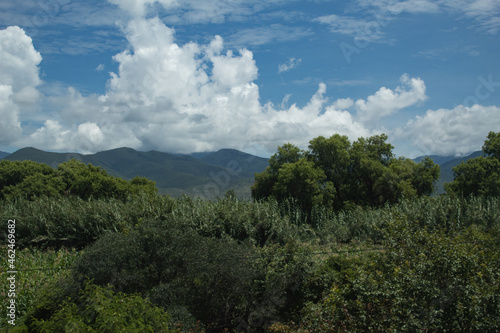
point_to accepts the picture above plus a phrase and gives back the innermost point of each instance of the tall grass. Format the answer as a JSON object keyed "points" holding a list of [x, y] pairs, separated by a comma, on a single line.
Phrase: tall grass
{"points": [[73, 222], [34, 269]]}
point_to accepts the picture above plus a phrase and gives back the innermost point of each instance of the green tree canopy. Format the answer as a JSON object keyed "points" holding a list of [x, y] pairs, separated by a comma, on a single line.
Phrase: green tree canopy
{"points": [[263, 188], [480, 175], [29, 179], [337, 173], [300, 180], [491, 146]]}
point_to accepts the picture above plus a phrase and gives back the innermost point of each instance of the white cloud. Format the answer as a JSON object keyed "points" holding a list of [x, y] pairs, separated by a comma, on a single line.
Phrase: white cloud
{"points": [[484, 12], [196, 11], [19, 59], [458, 131], [343, 104], [219, 11], [291, 64], [138, 8], [18, 81], [386, 101], [100, 68], [192, 97], [274, 33], [358, 28], [10, 127], [183, 98], [413, 6]]}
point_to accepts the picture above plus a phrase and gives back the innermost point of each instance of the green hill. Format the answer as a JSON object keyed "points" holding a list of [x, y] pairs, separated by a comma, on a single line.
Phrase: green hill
{"points": [[3, 154], [209, 176], [240, 162]]}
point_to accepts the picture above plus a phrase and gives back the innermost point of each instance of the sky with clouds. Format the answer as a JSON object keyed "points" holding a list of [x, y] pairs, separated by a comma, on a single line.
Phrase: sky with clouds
{"points": [[187, 76]]}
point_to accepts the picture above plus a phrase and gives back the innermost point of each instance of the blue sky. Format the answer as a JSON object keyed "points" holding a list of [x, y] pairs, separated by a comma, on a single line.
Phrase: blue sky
{"points": [[188, 75]]}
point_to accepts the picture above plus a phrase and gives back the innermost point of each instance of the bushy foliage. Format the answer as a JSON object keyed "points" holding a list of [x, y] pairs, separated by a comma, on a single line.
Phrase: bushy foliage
{"points": [[420, 282], [35, 268], [387, 257], [479, 176], [175, 267], [100, 309], [246, 265], [32, 180], [70, 221], [338, 174]]}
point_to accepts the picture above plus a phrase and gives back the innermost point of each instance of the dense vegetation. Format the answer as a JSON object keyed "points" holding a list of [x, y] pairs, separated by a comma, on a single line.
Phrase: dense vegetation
{"points": [[30, 180], [480, 175], [147, 263], [337, 173]]}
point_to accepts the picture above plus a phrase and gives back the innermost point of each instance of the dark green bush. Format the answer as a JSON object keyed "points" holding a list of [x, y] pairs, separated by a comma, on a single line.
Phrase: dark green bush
{"points": [[423, 282], [175, 267], [100, 309]]}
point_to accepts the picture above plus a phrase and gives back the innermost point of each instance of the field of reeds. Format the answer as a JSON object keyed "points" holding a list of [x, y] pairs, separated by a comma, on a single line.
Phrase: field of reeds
{"points": [[259, 266]]}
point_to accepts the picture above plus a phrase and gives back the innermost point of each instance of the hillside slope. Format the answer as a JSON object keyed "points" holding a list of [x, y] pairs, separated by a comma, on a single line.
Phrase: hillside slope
{"points": [[210, 176]]}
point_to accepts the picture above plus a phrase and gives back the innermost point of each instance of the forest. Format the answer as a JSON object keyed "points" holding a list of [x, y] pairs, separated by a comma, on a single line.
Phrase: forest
{"points": [[342, 237]]}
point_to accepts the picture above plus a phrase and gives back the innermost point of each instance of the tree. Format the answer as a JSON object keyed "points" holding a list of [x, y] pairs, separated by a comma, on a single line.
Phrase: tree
{"points": [[30, 180], [14, 173], [36, 185], [142, 184], [362, 173], [88, 181], [477, 176], [481, 175], [301, 180], [491, 146], [264, 181], [375, 148], [424, 281], [288, 153], [424, 177], [332, 155]]}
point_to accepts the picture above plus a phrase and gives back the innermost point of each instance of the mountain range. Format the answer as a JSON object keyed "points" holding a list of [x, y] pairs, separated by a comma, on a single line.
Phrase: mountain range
{"points": [[207, 175]]}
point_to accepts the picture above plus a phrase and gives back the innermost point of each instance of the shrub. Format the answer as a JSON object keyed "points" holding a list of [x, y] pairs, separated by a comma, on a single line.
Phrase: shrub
{"points": [[100, 309], [423, 282]]}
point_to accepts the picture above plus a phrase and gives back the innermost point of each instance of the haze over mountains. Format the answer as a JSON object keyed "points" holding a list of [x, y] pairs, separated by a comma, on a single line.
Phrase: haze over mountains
{"points": [[207, 175]]}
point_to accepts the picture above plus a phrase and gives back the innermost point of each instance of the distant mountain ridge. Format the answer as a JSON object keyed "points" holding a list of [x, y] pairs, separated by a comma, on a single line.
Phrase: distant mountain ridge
{"points": [[207, 174], [210, 175]]}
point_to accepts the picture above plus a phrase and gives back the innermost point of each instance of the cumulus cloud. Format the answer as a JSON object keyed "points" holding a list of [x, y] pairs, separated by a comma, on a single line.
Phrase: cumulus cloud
{"points": [[192, 97], [10, 127], [200, 97], [184, 98], [19, 59], [19, 67], [454, 131], [386, 101]]}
